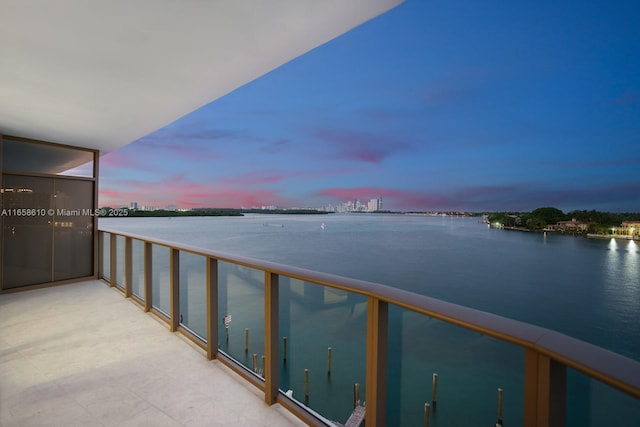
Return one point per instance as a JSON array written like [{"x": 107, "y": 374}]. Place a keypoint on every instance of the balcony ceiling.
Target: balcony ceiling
[{"x": 104, "y": 73}]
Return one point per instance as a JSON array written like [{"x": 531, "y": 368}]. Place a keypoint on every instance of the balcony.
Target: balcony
[{"x": 299, "y": 340}]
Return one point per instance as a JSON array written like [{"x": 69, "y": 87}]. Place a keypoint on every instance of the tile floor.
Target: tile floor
[{"x": 83, "y": 355}]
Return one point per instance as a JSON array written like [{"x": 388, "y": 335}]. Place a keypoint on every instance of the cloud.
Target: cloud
[
  {"x": 259, "y": 177},
  {"x": 272, "y": 176},
  {"x": 361, "y": 146},
  {"x": 121, "y": 159},
  {"x": 513, "y": 197},
  {"x": 179, "y": 190},
  {"x": 276, "y": 147},
  {"x": 194, "y": 146}
]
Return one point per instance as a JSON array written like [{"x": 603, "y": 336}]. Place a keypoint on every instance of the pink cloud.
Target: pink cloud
[
  {"x": 178, "y": 190},
  {"x": 234, "y": 198},
  {"x": 361, "y": 146},
  {"x": 271, "y": 176}
]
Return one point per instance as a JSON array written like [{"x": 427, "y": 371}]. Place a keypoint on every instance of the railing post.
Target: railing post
[
  {"x": 148, "y": 270},
  {"x": 174, "y": 288},
  {"x": 100, "y": 253},
  {"x": 271, "y": 337},
  {"x": 557, "y": 394},
  {"x": 112, "y": 260},
  {"x": 544, "y": 391},
  {"x": 376, "y": 369},
  {"x": 128, "y": 267},
  {"x": 212, "y": 308}
]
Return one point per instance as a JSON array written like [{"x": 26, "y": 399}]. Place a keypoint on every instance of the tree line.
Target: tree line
[{"x": 538, "y": 219}]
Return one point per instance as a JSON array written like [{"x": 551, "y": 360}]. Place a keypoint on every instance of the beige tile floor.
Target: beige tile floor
[{"x": 83, "y": 355}]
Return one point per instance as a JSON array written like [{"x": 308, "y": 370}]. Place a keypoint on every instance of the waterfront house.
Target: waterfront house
[
  {"x": 628, "y": 228},
  {"x": 573, "y": 225}
]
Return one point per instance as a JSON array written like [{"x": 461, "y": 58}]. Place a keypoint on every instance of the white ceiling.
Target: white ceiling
[{"x": 103, "y": 73}]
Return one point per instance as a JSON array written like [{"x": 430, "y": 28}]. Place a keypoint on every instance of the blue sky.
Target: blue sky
[{"x": 436, "y": 105}]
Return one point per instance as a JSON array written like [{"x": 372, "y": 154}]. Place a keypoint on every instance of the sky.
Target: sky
[{"x": 436, "y": 105}]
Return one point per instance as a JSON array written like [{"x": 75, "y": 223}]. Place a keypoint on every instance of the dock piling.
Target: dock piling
[
  {"x": 427, "y": 410},
  {"x": 499, "y": 406},
  {"x": 284, "y": 349},
  {"x": 356, "y": 395},
  {"x": 434, "y": 391}
]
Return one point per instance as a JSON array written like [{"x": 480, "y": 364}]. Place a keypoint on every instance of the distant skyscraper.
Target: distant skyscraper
[
  {"x": 134, "y": 205},
  {"x": 375, "y": 205}
]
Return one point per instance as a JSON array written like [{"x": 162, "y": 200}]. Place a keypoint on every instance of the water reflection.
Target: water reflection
[{"x": 632, "y": 267}]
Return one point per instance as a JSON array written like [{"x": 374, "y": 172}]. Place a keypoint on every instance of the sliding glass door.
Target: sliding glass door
[
  {"x": 72, "y": 229},
  {"x": 27, "y": 231},
  {"x": 47, "y": 229}
]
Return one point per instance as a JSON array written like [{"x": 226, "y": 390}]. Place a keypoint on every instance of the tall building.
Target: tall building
[{"x": 375, "y": 205}]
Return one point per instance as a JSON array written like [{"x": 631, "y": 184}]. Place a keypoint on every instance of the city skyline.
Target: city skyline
[
  {"x": 371, "y": 205},
  {"x": 449, "y": 107}
]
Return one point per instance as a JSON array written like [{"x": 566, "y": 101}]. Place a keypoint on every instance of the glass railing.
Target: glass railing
[
  {"x": 120, "y": 264},
  {"x": 321, "y": 345},
  {"x": 137, "y": 269},
  {"x": 193, "y": 307}
]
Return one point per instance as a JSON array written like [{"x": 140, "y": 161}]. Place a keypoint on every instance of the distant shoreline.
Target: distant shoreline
[
  {"x": 611, "y": 236},
  {"x": 164, "y": 213},
  {"x": 586, "y": 235}
]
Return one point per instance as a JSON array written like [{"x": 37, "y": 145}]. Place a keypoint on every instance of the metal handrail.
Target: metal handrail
[{"x": 606, "y": 366}]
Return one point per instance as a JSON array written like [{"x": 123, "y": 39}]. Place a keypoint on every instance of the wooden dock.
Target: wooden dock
[{"x": 356, "y": 418}]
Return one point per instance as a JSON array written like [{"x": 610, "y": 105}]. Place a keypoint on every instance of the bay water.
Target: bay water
[{"x": 585, "y": 288}]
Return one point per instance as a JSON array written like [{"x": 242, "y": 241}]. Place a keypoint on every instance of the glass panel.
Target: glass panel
[
  {"x": 73, "y": 229},
  {"x": 120, "y": 261},
  {"x": 470, "y": 368},
  {"x": 160, "y": 278},
  {"x": 27, "y": 230},
  {"x": 241, "y": 296},
  {"x": 137, "y": 268},
  {"x": 106, "y": 255},
  {"x": 53, "y": 159},
  {"x": 314, "y": 318},
  {"x": 591, "y": 403},
  {"x": 193, "y": 295}
]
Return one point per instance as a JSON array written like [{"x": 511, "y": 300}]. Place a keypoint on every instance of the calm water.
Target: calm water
[{"x": 586, "y": 288}]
